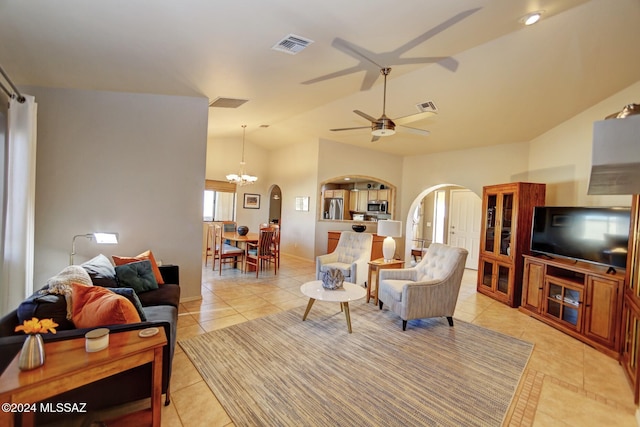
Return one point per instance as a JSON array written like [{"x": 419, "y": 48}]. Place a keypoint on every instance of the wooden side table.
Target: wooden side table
[
  {"x": 374, "y": 268},
  {"x": 68, "y": 366}
]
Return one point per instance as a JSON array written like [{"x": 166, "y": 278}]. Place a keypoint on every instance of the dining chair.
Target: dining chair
[
  {"x": 257, "y": 254},
  {"x": 276, "y": 243},
  {"x": 209, "y": 249},
  {"x": 224, "y": 252}
]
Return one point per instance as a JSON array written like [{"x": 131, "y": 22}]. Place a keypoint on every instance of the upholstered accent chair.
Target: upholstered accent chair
[
  {"x": 351, "y": 256},
  {"x": 430, "y": 289}
]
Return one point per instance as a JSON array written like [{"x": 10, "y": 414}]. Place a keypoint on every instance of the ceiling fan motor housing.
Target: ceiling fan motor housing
[{"x": 384, "y": 126}]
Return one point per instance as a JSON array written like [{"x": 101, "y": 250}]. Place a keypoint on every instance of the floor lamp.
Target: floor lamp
[{"x": 100, "y": 237}]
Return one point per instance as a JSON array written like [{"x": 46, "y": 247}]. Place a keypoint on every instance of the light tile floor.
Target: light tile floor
[{"x": 567, "y": 383}]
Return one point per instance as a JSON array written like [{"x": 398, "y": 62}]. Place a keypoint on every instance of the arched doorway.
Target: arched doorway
[
  {"x": 445, "y": 213},
  {"x": 275, "y": 204}
]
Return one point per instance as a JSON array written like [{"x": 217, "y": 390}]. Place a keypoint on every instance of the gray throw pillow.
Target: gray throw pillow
[
  {"x": 131, "y": 295},
  {"x": 137, "y": 275},
  {"x": 101, "y": 271}
]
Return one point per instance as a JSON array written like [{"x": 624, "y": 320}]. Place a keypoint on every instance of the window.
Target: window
[
  {"x": 219, "y": 201},
  {"x": 439, "y": 215}
]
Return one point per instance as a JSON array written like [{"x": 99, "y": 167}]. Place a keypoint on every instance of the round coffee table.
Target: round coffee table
[{"x": 348, "y": 292}]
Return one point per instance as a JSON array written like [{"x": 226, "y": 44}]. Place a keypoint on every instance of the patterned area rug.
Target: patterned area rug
[{"x": 281, "y": 371}]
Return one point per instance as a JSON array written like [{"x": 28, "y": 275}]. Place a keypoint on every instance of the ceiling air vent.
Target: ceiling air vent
[
  {"x": 220, "y": 102},
  {"x": 427, "y": 106},
  {"x": 292, "y": 44}
]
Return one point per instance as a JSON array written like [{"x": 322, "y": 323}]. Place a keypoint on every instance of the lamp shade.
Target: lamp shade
[{"x": 389, "y": 228}]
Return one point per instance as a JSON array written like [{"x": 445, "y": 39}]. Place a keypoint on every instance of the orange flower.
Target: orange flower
[{"x": 35, "y": 326}]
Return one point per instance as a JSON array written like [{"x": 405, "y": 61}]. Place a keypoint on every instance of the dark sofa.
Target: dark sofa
[{"x": 160, "y": 307}]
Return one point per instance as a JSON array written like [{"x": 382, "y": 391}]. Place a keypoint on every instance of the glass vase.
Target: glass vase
[{"x": 32, "y": 353}]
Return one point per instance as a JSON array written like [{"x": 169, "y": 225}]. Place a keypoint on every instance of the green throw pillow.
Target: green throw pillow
[{"x": 137, "y": 275}]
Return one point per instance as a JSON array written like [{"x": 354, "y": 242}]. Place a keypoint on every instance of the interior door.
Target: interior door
[{"x": 464, "y": 224}]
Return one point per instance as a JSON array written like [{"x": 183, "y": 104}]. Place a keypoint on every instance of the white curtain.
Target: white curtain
[{"x": 18, "y": 213}]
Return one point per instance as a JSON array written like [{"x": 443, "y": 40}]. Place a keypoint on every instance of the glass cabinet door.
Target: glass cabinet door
[
  {"x": 503, "y": 279},
  {"x": 564, "y": 303},
  {"x": 489, "y": 235},
  {"x": 505, "y": 225},
  {"x": 486, "y": 275}
]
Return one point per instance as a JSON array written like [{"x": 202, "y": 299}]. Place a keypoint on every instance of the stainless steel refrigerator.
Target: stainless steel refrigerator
[{"x": 334, "y": 208}]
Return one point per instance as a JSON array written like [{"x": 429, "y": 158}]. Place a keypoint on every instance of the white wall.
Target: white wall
[
  {"x": 561, "y": 157},
  {"x": 472, "y": 169},
  {"x": 294, "y": 169},
  {"x": 130, "y": 163}
]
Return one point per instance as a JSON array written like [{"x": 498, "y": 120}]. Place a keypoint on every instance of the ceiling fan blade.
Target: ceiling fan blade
[
  {"x": 434, "y": 31},
  {"x": 340, "y": 73},
  {"x": 359, "y": 127},
  {"x": 447, "y": 62},
  {"x": 413, "y": 117},
  {"x": 365, "y": 115},
  {"x": 350, "y": 49},
  {"x": 417, "y": 131}
]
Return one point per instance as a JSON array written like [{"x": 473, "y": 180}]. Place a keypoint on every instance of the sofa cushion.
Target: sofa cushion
[
  {"x": 101, "y": 271},
  {"x": 137, "y": 275},
  {"x": 146, "y": 255},
  {"x": 168, "y": 294},
  {"x": 131, "y": 295},
  {"x": 97, "y": 306}
]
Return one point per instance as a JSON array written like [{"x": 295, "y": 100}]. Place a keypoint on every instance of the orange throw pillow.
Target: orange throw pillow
[
  {"x": 97, "y": 306},
  {"x": 121, "y": 260}
]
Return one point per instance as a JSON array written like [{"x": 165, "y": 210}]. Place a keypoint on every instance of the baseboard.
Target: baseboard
[
  {"x": 289, "y": 255},
  {"x": 187, "y": 299}
]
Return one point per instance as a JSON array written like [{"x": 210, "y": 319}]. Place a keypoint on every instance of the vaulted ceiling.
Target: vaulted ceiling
[{"x": 496, "y": 81}]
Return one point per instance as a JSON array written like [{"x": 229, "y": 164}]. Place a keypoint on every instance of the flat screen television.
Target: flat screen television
[{"x": 594, "y": 234}]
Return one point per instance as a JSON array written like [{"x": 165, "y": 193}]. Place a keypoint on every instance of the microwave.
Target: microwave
[{"x": 377, "y": 206}]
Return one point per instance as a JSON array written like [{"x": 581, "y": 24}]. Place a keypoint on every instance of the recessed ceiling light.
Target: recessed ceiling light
[
  {"x": 347, "y": 179},
  {"x": 531, "y": 18}
]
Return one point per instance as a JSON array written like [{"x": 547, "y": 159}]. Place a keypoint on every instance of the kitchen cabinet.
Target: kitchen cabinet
[
  {"x": 336, "y": 194},
  {"x": 383, "y": 195},
  {"x": 504, "y": 238},
  {"x": 578, "y": 298}
]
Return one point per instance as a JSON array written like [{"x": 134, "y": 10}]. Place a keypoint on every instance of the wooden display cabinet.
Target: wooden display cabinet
[
  {"x": 630, "y": 325},
  {"x": 505, "y": 235},
  {"x": 575, "y": 297}
]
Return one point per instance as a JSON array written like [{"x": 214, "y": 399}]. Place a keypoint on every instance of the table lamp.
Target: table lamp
[
  {"x": 390, "y": 229},
  {"x": 100, "y": 237}
]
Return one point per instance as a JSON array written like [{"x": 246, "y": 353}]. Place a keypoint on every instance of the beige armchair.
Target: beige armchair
[
  {"x": 430, "y": 289},
  {"x": 351, "y": 256}
]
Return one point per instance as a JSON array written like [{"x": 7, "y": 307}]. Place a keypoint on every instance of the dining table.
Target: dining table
[{"x": 235, "y": 239}]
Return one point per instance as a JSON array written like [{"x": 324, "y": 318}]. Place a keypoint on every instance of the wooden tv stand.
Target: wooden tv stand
[{"x": 578, "y": 298}]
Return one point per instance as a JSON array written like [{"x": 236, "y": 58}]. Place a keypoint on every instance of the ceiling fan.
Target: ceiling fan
[{"x": 384, "y": 126}]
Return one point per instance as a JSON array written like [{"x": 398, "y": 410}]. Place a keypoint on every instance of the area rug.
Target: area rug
[{"x": 281, "y": 371}]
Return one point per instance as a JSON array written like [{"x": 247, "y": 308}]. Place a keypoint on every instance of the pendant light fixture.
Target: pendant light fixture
[{"x": 242, "y": 178}]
